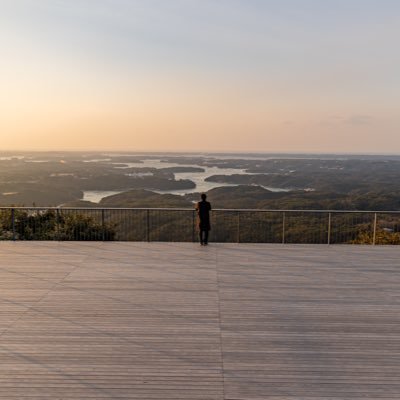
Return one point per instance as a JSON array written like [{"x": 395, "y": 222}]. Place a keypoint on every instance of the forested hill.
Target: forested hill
[
  {"x": 306, "y": 182},
  {"x": 249, "y": 197},
  {"x": 257, "y": 197}
]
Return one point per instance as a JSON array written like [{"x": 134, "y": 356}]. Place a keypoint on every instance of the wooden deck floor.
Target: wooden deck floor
[{"x": 180, "y": 321}]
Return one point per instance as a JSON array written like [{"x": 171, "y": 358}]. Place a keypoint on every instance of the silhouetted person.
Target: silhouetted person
[{"x": 203, "y": 208}]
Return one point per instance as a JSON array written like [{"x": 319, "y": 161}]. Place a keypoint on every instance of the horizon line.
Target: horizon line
[{"x": 198, "y": 152}]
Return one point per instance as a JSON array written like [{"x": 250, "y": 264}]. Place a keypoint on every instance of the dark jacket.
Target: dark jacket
[{"x": 203, "y": 212}]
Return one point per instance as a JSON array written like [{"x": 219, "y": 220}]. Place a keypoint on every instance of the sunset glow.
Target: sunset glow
[{"x": 228, "y": 75}]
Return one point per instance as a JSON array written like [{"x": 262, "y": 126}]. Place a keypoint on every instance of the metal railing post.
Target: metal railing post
[
  {"x": 238, "y": 227},
  {"x": 58, "y": 224},
  {"x": 374, "y": 234},
  {"x": 193, "y": 225},
  {"x": 103, "y": 225},
  {"x": 283, "y": 227},
  {"x": 329, "y": 227},
  {"x": 13, "y": 223},
  {"x": 148, "y": 225}
]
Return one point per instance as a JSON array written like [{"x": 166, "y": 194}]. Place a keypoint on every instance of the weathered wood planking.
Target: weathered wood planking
[
  {"x": 180, "y": 321},
  {"x": 105, "y": 321},
  {"x": 310, "y": 322}
]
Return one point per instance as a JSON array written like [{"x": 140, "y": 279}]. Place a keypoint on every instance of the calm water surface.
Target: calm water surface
[{"x": 197, "y": 177}]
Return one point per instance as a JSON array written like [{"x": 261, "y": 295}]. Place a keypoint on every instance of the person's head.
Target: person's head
[{"x": 203, "y": 196}]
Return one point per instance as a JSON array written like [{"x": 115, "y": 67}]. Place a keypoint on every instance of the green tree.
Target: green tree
[{"x": 52, "y": 225}]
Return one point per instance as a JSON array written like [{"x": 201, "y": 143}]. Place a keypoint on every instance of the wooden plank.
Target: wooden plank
[
  {"x": 179, "y": 321},
  {"x": 310, "y": 322},
  {"x": 85, "y": 321}
]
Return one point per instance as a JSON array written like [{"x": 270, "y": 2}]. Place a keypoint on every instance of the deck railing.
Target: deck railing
[{"x": 179, "y": 225}]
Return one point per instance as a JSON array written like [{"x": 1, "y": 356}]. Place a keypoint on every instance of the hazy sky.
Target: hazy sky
[{"x": 208, "y": 75}]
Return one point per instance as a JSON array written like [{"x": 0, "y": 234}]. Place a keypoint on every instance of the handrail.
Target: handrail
[
  {"x": 179, "y": 224},
  {"x": 215, "y": 209}
]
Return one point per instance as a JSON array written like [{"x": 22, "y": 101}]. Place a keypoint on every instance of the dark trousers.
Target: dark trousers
[{"x": 203, "y": 236}]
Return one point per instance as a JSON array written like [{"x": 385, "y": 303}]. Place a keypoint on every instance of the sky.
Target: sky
[{"x": 200, "y": 75}]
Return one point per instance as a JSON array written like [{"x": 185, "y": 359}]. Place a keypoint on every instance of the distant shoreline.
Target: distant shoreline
[{"x": 222, "y": 155}]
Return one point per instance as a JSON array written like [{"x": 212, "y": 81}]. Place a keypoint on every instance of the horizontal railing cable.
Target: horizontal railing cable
[{"x": 180, "y": 225}]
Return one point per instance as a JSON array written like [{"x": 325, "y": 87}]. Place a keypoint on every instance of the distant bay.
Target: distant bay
[{"x": 199, "y": 178}]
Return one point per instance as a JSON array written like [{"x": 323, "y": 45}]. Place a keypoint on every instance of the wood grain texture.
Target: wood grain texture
[{"x": 180, "y": 321}]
